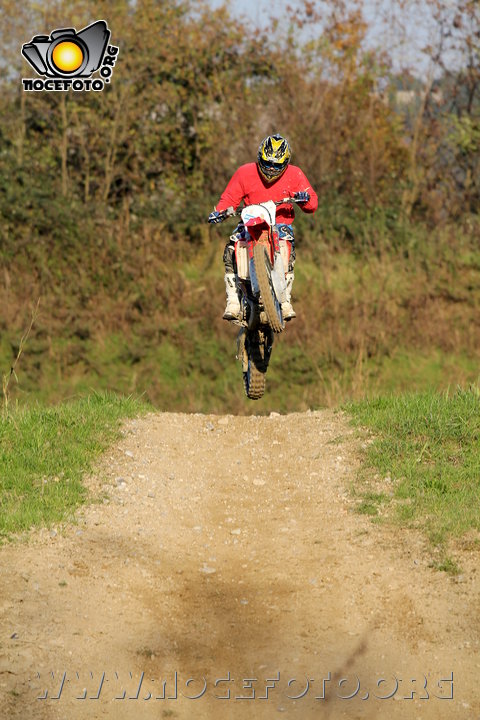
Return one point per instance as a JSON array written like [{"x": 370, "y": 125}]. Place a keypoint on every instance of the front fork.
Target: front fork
[{"x": 277, "y": 271}]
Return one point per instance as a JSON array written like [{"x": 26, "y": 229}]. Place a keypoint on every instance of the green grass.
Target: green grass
[
  {"x": 45, "y": 452},
  {"x": 425, "y": 451}
]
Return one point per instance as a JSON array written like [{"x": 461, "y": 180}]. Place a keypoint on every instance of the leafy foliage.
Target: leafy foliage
[{"x": 103, "y": 196}]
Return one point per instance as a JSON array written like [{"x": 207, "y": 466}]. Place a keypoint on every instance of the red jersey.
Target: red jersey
[{"x": 248, "y": 185}]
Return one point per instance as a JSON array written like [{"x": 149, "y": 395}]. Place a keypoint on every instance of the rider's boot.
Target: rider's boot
[
  {"x": 287, "y": 309},
  {"x": 232, "y": 310}
]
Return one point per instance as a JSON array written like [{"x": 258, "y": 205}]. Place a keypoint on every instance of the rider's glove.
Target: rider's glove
[
  {"x": 216, "y": 217},
  {"x": 302, "y": 197}
]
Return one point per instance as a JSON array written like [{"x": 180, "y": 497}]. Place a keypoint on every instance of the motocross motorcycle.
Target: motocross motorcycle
[{"x": 261, "y": 264}]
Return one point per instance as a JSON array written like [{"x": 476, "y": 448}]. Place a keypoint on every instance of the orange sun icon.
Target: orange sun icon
[{"x": 67, "y": 56}]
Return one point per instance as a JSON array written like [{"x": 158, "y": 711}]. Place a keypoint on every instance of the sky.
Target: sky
[
  {"x": 257, "y": 10},
  {"x": 416, "y": 21}
]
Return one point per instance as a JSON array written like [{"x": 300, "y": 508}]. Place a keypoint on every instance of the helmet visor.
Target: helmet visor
[{"x": 271, "y": 169}]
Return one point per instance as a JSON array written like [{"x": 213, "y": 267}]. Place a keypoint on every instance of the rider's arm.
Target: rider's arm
[
  {"x": 304, "y": 184},
  {"x": 234, "y": 193}
]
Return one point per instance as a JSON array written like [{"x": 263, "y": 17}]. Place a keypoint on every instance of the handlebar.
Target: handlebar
[{"x": 230, "y": 212}]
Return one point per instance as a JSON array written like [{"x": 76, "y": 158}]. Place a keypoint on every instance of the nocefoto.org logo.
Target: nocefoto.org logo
[{"x": 68, "y": 59}]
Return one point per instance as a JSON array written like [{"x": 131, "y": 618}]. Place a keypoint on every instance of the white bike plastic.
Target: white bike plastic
[{"x": 266, "y": 212}]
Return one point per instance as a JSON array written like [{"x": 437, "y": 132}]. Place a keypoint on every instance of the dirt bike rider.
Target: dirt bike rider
[{"x": 270, "y": 178}]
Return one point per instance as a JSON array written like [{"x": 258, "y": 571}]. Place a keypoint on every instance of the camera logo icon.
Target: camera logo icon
[{"x": 71, "y": 57}]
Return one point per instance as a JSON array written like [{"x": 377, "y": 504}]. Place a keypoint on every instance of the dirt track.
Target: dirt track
[{"x": 228, "y": 547}]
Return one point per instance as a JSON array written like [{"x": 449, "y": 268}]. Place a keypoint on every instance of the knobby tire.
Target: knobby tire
[{"x": 254, "y": 378}]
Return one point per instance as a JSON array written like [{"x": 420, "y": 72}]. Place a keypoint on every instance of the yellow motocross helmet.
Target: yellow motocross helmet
[{"x": 273, "y": 157}]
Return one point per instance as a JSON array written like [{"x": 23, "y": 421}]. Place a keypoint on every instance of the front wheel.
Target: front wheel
[{"x": 263, "y": 269}]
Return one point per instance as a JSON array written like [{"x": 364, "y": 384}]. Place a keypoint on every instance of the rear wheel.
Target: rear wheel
[
  {"x": 258, "y": 348},
  {"x": 270, "y": 301}
]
